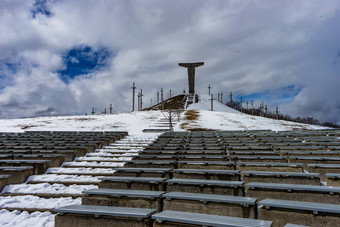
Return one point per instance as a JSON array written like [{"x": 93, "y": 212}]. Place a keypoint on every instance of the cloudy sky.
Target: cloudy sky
[{"x": 66, "y": 56}]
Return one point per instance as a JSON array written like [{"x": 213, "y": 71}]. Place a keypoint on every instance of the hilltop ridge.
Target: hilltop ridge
[{"x": 222, "y": 118}]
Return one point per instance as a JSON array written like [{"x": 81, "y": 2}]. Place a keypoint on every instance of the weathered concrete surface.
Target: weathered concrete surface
[
  {"x": 17, "y": 176},
  {"x": 4, "y": 181},
  {"x": 333, "y": 182},
  {"x": 281, "y": 180},
  {"x": 132, "y": 202},
  {"x": 270, "y": 168},
  {"x": 133, "y": 185},
  {"x": 306, "y": 196},
  {"x": 280, "y": 217},
  {"x": 226, "y": 177},
  {"x": 191, "y": 74},
  {"x": 173, "y": 224},
  {"x": 200, "y": 166},
  {"x": 103, "y": 221},
  {"x": 143, "y": 174},
  {"x": 215, "y": 208},
  {"x": 206, "y": 189},
  {"x": 322, "y": 171}
]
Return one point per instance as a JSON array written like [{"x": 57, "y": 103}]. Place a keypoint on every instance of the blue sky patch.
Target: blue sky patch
[
  {"x": 82, "y": 60},
  {"x": 284, "y": 93},
  {"x": 7, "y": 70},
  {"x": 40, "y": 7}
]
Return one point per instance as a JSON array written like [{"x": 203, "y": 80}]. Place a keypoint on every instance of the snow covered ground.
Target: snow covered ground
[
  {"x": 222, "y": 118},
  {"x": 104, "y": 160}
]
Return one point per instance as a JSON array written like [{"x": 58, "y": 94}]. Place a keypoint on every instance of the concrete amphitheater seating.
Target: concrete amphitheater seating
[
  {"x": 220, "y": 178},
  {"x": 33, "y": 152}
]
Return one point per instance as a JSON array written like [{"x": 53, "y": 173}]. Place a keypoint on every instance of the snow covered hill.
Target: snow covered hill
[{"x": 222, "y": 118}]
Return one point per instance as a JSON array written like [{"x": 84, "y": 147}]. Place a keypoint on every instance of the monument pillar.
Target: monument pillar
[{"x": 191, "y": 74}]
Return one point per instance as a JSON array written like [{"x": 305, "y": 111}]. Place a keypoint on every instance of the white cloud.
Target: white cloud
[{"x": 248, "y": 47}]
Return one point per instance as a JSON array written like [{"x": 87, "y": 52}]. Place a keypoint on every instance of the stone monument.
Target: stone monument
[{"x": 191, "y": 74}]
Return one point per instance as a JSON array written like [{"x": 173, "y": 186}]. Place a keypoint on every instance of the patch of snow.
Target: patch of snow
[
  {"x": 204, "y": 103},
  {"x": 94, "y": 164},
  {"x": 64, "y": 178},
  {"x": 24, "y": 219},
  {"x": 31, "y": 201},
  {"x": 107, "y": 154},
  {"x": 231, "y": 121},
  {"x": 118, "y": 151},
  {"x": 47, "y": 188},
  {"x": 103, "y": 159},
  {"x": 80, "y": 170}
]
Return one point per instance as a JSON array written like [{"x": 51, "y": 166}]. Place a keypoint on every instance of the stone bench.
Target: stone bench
[
  {"x": 143, "y": 172},
  {"x": 250, "y": 148},
  {"x": 314, "y": 160},
  {"x": 311, "y": 153},
  {"x": 218, "y": 187},
  {"x": 256, "y": 158},
  {"x": 323, "y": 169},
  {"x": 164, "y": 147},
  {"x": 297, "y": 192},
  {"x": 235, "y": 206},
  {"x": 286, "y": 143},
  {"x": 293, "y": 225},
  {"x": 321, "y": 138},
  {"x": 249, "y": 153},
  {"x": 203, "y": 152},
  {"x": 155, "y": 157},
  {"x": 134, "y": 183},
  {"x": 281, "y": 177},
  {"x": 299, "y": 148},
  {"x": 171, "y": 218},
  {"x": 103, "y": 216},
  {"x": 337, "y": 148},
  {"x": 244, "y": 140},
  {"x": 17, "y": 174},
  {"x": 80, "y": 151},
  {"x": 270, "y": 166},
  {"x": 207, "y": 174},
  {"x": 123, "y": 198},
  {"x": 55, "y": 159},
  {"x": 4, "y": 180},
  {"x": 282, "y": 212},
  {"x": 39, "y": 166},
  {"x": 220, "y": 158},
  {"x": 333, "y": 179},
  {"x": 158, "y": 152},
  {"x": 68, "y": 155},
  {"x": 204, "y": 148},
  {"x": 6, "y": 156},
  {"x": 206, "y": 165},
  {"x": 151, "y": 164}
]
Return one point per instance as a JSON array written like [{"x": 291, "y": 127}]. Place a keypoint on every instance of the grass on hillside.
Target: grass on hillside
[{"x": 191, "y": 115}]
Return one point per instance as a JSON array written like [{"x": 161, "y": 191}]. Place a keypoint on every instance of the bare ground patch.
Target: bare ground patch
[
  {"x": 190, "y": 120},
  {"x": 191, "y": 115}
]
